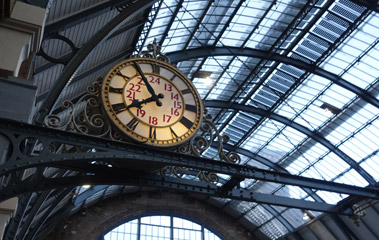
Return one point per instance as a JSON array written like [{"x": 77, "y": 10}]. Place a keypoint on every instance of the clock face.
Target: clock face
[{"x": 152, "y": 102}]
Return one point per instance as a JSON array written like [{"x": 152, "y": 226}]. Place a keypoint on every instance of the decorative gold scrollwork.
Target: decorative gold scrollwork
[
  {"x": 154, "y": 51},
  {"x": 85, "y": 116},
  {"x": 198, "y": 146}
]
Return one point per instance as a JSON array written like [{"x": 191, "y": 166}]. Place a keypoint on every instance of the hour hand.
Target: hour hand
[
  {"x": 135, "y": 103},
  {"x": 138, "y": 104}
]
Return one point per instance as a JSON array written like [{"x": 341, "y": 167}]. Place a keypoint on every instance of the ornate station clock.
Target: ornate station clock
[{"x": 152, "y": 102}]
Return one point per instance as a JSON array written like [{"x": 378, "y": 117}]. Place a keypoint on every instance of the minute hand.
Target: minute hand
[{"x": 148, "y": 86}]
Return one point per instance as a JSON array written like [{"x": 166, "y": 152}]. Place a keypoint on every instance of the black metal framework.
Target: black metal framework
[
  {"x": 68, "y": 164},
  {"x": 82, "y": 54},
  {"x": 106, "y": 162}
]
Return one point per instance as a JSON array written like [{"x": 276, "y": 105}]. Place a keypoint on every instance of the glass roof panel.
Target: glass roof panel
[
  {"x": 327, "y": 168},
  {"x": 274, "y": 229},
  {"x": 357, "y": 55},
  {"x": 243, "y": 22},
  {"x": 242, "y": 206},
  {"x": 291, "y": 191},
  {"x": 258, "y": 215},
  {"x": 285, "y": 141},
  {"x": 257, "y": 164},
  {"x": 267, "y": 187},
  {"x": 331, "y": 197},
  {"x": 294, "y": 217},
  {"x": 352, "y": 177},
  {"x": 371, "y": 165}
]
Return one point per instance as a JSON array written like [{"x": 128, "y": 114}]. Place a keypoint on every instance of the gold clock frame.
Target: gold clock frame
[{"x": 128, "y": 131}]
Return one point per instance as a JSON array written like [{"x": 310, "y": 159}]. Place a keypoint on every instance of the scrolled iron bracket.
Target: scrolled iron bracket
[
  {"x": 85, "y": 116},
  {"x": 199, "y": 146}
]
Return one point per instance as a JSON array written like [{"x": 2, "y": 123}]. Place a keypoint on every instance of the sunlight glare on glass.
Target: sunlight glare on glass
[{"x": 208, "y": 81}]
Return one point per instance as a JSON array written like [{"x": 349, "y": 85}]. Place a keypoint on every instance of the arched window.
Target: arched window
[{"x": 161, "y": 228}]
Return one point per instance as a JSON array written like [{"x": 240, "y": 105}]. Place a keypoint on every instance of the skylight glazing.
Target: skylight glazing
[
  {"x": 356, "y": 59},
  {"x": 274, "y": 229},
  {"x": 336, "y": 36}
]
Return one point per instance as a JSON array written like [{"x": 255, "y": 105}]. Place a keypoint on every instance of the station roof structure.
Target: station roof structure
[{"x": 293, "y": 83}]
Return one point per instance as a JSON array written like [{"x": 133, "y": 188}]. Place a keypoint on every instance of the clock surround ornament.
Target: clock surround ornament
[
  {"x": 86, "y": 116},
  {"x": 151, "y": 101}
]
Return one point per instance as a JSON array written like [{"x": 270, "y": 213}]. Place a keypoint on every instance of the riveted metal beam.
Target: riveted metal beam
[
  {"x": 133, "y": 178},
  {"x": 119, "y": 155}
]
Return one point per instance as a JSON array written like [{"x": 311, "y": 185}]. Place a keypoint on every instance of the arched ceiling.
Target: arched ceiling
[{"x": 274, "y": 68}]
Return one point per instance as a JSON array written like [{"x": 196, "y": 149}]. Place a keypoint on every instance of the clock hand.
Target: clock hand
[
  {"x": 138, "y": 104},
  {"x": 148, "y": 86}
]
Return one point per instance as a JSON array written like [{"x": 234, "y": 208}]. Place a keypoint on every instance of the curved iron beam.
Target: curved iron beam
[
  {"x": 179, "y": 56},
  {"x": 72, "y": 67},
  {"x": 133, "y": 178},
  {"x": 123, "y": 156},
  {"x": 312, "y": 134}
]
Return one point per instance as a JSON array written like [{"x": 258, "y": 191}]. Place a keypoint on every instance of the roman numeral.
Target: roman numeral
[
  {"x": 156, "y": 69},
  {"x": 122, "y": 75},
  {"x": 173, "y": 134},
  {"x": 119, "y": 107},
  {"x": 115, "y": 90},
  {"x": 132, "y": 124},
  {"x": 187, "y": 123},
  {"x": 153, "y": 132},
  {"x": 185, "y": 91},
  {"x": 172, "y": 78},
  {"x": 191, "y": 108}
]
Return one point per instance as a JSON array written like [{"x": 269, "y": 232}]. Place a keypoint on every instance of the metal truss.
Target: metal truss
[
  {"x": 101, "y": 161},
  {"x": 72, "y": 67},
  {"x": 312, "y": 134},
  {"x": 194, "y": 53},
  {"x": 83, "y": 16}
]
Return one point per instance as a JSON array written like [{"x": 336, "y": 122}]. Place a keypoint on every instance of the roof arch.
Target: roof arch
[
  {"x": 208, "y": 51},
  {"x": 312, "y": 134}
]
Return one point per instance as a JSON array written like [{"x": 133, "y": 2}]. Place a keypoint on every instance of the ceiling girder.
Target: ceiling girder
[
  {"x": 133, "y": 178},
  {"x": 72, "y": 67},
  {"x": 82, "y": 16},
  {"x": 312, "y": 134},
  {"x": 285, "y": 35},
  {"x": 119, "y": 153},
  {"x": 202, "y": 52}
]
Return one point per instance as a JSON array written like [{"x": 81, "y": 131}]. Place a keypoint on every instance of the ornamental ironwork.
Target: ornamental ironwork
[{"x": 87, "y": 116}]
